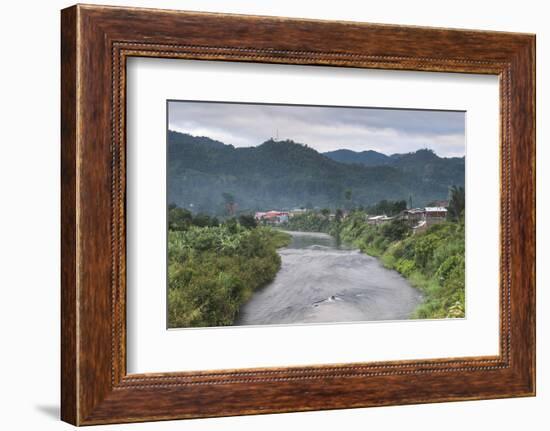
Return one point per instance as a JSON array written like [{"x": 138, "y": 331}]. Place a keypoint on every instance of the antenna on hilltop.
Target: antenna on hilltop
[{"x": 277, "y": 134}]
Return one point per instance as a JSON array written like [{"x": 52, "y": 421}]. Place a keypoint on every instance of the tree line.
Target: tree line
[{"x": 208, "y": 176}]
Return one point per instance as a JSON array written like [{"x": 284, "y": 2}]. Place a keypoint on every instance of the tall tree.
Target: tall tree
[
  {"x": 338, "y": 215},
  {"x": 457, "y": 203},
  {"x": 178, "y": 218},
  {"x": 348, "y": 195},
  {"x": 230, "y": 205}
]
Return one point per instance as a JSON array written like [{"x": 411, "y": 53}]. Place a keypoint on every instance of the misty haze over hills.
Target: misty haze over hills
[{"x": 285, "y": 174}]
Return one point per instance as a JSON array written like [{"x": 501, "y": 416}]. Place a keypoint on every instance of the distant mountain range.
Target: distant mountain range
[
  {"x": 286, "y": 174},
  {"x": 374, "y": 158}
]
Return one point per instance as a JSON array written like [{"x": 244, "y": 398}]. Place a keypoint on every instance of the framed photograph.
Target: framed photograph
[{"x": 263, "y": 214}]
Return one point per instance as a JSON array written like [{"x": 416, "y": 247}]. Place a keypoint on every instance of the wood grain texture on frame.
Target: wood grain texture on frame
[{"x": 95, "y": 42}]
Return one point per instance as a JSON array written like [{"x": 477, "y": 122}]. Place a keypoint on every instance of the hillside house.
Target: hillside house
[
  {"x": 272, "y": 217},
  {"x": 419, "y": 219},
  {"x": 414, "y": 216},
  {"x": 435, "y": 214}
]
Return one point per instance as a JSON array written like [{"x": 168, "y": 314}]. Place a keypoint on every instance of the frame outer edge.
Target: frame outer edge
[
  {"x": 87, "y": 396},
  {"x": 69, "y": 201},
  {"x": 529, "y": 61},
  {"x": 533, "y": 53},
  {"x": 523, "y": 217},
  {"x": 532, "y": 80}
]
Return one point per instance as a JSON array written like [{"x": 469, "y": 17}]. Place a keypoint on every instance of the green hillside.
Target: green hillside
[
  {"x": 202, "y": 173},
  {"x": 367, "y": 158}
]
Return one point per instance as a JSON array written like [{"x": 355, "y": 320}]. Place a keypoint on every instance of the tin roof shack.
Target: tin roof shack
[
  {"x": 415, "y": 219},
  {"x": 435, "y": 215},
  {"x": 419, "y": 219},
  {"x": 414, "y": 216}
]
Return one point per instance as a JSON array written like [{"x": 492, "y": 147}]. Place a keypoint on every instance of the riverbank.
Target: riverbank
[
  {"x": 213, "y": 270},
  {"x": 323, "y": 281},
  {"x": 432, "y": 261}
]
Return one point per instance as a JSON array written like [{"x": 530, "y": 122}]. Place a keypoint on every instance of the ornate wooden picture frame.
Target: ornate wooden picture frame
[{"x": 96, "y": 41}]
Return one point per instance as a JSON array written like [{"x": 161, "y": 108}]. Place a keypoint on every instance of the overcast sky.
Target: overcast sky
[{"x": 388, "y": 131}]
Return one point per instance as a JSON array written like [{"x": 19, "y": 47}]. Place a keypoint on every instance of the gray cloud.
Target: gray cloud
[{"x": 388, "y": 131}]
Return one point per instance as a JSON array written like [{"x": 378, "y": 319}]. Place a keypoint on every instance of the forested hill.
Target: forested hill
[
  {"x": 367, "y": 158},
  {"x": 202, "y": 173},
  {"x": 424, "y": 162}
]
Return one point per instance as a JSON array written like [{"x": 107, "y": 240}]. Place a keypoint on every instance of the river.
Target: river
[{"x": 322, "y": 281}]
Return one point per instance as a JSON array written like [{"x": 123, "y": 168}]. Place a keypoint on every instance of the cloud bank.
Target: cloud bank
[{"x": 388, "y": 131}]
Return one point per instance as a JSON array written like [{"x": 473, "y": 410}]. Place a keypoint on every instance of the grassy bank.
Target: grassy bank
[
  {"x": 432, "y": 261},
  {"x": 213, "y": 270}
]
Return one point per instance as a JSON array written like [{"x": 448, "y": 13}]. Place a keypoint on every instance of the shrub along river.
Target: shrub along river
[{"x": 323, "y": 281}]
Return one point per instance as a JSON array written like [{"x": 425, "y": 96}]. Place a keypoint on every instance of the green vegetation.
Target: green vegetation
[
  {"x": 456, "y": 203},
  {"x": 208, "y": 176},
  {"x": 214, "y": 268},
  {"x": 390, "y": 208},
  {"x": 310, "y": 222},
  {"x": 433, "y": 261}
]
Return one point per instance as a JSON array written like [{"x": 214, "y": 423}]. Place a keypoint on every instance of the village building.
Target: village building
[
  {"x": 420, "y": 219},
  {"x": 272, "y": 217},
  {"x": 258, "y": 215},
  {"x": 436, "y": 213},
  {"x": 414, "y": 216}
]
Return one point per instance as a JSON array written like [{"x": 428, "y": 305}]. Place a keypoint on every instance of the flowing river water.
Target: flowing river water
[{"x": 322, "y": 281}]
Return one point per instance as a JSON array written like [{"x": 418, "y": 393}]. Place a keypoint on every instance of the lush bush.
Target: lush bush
[
  {"x": 405, "y": 267},
  {"x": 423, "y": 250},
  {"x": 310, "y": 222},
  {"x": 213, "y": 270},
  {"x": 180, "y": 219},
  {"x": 248, "y": 221},
  {"x": 395, "y": 230}
]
